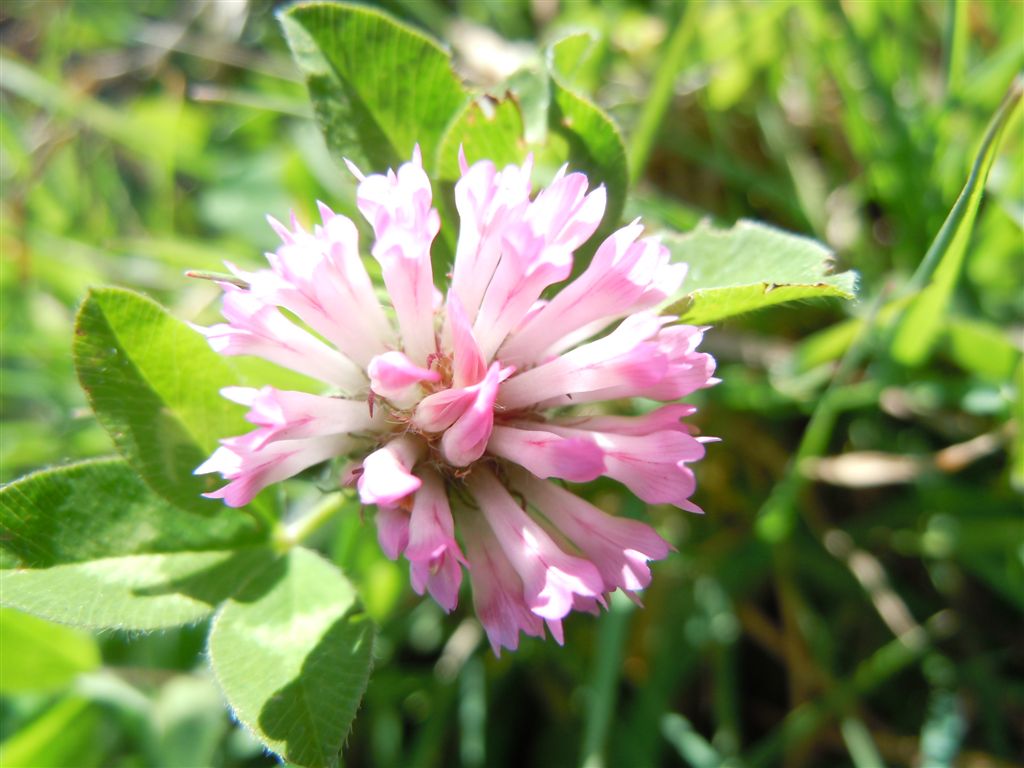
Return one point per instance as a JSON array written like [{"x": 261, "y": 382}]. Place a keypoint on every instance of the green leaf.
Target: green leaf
[
  {"x": 101, "y": 508},
  {"x": 292, "y": 653},
  {"x": 486, "y": 129},
  {"x": 1017, "y": 442},
  {"x": 378, "y": 87},
  {"x": 40, "y": 656},
  {"x": 690, "y": 745},
  {"x": 190, "y": 722},
  {"x": 135, "y": 591},
  {"x": 154, "y": 384},
  {"x": 749, "y": 267},
  {"x": 580, "y": 131},
  {"x": 980, "y": 347},
  {"x": 935, "y": 279},
  {"x": 66, "y": 734},
  {"x": 577, "y": 131}
]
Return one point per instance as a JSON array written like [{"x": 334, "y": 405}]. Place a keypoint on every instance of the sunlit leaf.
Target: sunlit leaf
[
  {"x": 154, "y": 384},
  {"x": 594, "y": 145},
  {"x": 40, "y": 656},
  {"x": 919, "y": 327},
  {"x": 749, "y": 267},
  {"x": 101, "y": 508},
  {"x": 378, "y": 86},
  {"x": 134, "y": 591},
  {"x": 981, "y": 348},
  {"x": 65, "y": 734},
  {"x": 292, "y": 653}
]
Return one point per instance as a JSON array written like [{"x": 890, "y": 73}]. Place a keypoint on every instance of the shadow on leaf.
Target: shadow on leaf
[{"x": 312, "y": 714}]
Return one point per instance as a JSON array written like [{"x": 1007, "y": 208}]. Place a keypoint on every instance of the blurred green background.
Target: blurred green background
[{"x": 139, "y": 139}]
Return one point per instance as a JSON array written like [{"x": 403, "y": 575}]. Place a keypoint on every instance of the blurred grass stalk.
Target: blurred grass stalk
[{"x": 937, "y": 272}]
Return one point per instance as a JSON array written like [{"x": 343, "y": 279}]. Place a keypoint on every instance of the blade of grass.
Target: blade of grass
[
  {"x": 601, "y": 702},
  {"x": 804, "y": 721},
  {"x": 957, "y": 41},
  {"x": 778, "y": 514},
  {"x": 859, "y": 744},
  {"x": 660, "y": 96},
  {"x": 937, "y": 274},
  {"x": 690, "y": 745}
]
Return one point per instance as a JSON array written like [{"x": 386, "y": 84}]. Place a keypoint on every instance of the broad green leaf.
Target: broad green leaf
[
  {"x": 378, "y": 87},
  {"x": 135, "y": 591},
  {"x": 41, "y": 656},
  {"x": 154, "y": 384},
  {"x": 292, "y": 653},
  {"x": 594, "y": 144},
  {"x": 935, "y": 279},
  {"x": 66, "y": 734},
  {"x": 748, "y": 267},
  {"x": 101, "y": 508}
]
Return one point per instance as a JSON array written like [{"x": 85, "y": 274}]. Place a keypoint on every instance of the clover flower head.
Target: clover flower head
[{"x": 461, "y": 411}]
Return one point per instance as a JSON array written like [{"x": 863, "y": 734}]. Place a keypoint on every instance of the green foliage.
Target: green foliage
[
  {"x": 63, "y": 735},
  {"x": 40, "y": 656},
  {"x": 292, "y": 653},
  {"x": 133, "y": 591},
  {"x": 101, "y": 508},
  {"x": 750, "y": 267},
  {"x": 154, "y": 384},
  {"x": 940, "y": 269},
  {"x": 357, "y": 63}
]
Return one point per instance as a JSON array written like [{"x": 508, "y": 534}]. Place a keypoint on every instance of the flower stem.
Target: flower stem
[
  {"x": 659, "y": 98},
  {"x": 297, "y": 531}
]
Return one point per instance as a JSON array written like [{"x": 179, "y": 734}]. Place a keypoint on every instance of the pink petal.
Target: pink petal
[
  {"x": 667, "y": 417},
  {"x": 497, "y": 589},
  {"x": 395, "y": 377},
  {"x": 251, "y": 466},
  {"x": 550, "y": 576},
  {"x": 398, "y": 207},
  {"x": 468, "y": 362},
  {"x": 256, "y": 328},
  {"x": 287, "y": 415},
  {"x": 320, "y": 277},
  {"x": 622, "y": 358},
  {"x": 387, "y": 472},
  {"x": 441, "y": 576},
  {"x": 624, "y": 276},
  {"x": 437, "y": 412},
  {"x": 392, "y": 530},
  {"x": 465, "y": 441},
  {"x": 546, "y": 454},
  {"x": 487, "y": 201},
  {"x": 653, "y": 466},
  {"x": 619, "y": 547}
]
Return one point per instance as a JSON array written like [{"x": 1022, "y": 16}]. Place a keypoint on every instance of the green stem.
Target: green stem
[
  {"x": 297, "y": 531},
  {"x": 956, "y": 46},
  {"x": 776, "y": 517},
  {"x": 610, "y": 644},
  {"x": 658, "y": 99}
]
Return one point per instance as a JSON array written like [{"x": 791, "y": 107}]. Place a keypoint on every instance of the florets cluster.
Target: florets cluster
[{"x": 453, "y": 407}]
